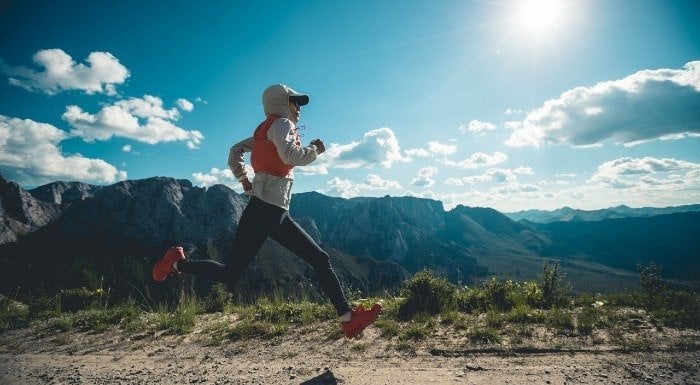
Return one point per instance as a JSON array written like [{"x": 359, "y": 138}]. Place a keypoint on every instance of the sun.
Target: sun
[{"x": 538, "y": 17}]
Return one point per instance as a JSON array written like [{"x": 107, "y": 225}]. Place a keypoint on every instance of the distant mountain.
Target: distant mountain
[
  {"x": 112, "y": 235},
  {"x": 64, "y": 192},
  {"x": 567, "y": 214},
  {"x": 672, "y": 240},
  {"x": 83, "y": 235},
  {"x": 21, "y": 213}
]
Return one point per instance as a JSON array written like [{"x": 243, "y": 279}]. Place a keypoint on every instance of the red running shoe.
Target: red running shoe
[
  {"x": 164, "y": 268},
  {"x": 361, "y": 318}
]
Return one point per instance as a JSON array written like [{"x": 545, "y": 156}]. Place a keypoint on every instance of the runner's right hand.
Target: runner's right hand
[
  {"x": 320, "y": 147},
  {"x": 247, "y": 186}
]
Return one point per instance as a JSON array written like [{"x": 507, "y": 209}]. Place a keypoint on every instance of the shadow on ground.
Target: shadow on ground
[{"x": 326, "y": 378}]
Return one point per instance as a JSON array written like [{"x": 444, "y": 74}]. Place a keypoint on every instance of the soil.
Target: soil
[{"x": 318, "y": 354}]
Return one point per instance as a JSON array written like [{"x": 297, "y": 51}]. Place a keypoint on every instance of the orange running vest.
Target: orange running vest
[{"x": 264, "y": 156}]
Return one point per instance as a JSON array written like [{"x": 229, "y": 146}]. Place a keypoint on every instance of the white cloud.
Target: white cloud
[
  {"x": 565, "y": 175},
  {"x": 221, "y": 176},
  {"x": 646, "y": 182},
  {"x": 378, "y": 147},
  {"x": 417, "y": 152},
  {"x": 435, "y": 148},
  {"x": 185, "y": 105},
  {"x": 478, "y": 160},
  {"x": 497, "y": 175},
  {"x": 148, "y": 107},
  {"x": 127, "y": 148},
  {"x": 438, "y": 148},
  {"x": 30, "y": 154},
  {"x": 523, "y": 170},
  {"x": 101, "y": 73},
  {"x": 214, "y": 176},
  {"x": 477, "y": 127},
  {"x": 349, "y": 189},
  {"x": 511, "y": 111},
  {"x": 625, "y": 173},
  {"x": 424, "y": 178},
  {"x": 142, "y": 119},
  {"x": 648, "y": 105}
]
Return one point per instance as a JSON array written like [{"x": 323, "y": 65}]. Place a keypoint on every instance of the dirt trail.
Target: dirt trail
[{"x": 308, "y": 356}]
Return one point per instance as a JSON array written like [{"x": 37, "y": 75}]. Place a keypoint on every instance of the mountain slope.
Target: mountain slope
[
  {"x": 567, "y": 214},
  {"x": 672, "y": 240},
  {"x": 21, "y": 213},
  {"x": 112, "y": 236}
]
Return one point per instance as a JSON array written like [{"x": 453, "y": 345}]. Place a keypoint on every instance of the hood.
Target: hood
[{"x": 275, "y": 100}]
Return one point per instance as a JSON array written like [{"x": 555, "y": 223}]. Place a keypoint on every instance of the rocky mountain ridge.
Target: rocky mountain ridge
[
  {"x": 568, "y": 214},
  {"x": 90, "y": 234}
]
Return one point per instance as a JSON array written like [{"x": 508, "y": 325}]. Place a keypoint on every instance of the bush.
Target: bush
[
  {"x": 587, "y": 320},
  {"x": 13, "y": 315},
  {"x": 560, "y": 321},
  {"x": 183, "y": 319},
  {"x": 298, "y": 313},
  {"x": 554, "y": 287},
  {"x": 470, "y": 300},
  {"x": 679, "y": 309},
  {"x": 219, "y": 300},
  {"x": 80, "y": 298},
  {"x": 426, "y": 294},
  {"x": 484, "y": 336},
  {"x": 523, "y": 314}
]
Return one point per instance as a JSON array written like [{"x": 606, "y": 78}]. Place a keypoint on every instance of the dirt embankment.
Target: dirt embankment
[{"x": 316, "y": 355}]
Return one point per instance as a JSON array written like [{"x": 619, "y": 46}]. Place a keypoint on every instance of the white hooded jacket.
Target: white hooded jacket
[{"x": 269, "y": 188}]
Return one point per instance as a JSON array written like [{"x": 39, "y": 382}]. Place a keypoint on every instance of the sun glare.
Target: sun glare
[{"x": 539, "y": 17}]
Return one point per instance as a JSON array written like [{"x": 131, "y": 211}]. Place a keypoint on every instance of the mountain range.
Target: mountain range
[
  {"x": 71, "y": 234},
  {"x": 567, "y": 214}
]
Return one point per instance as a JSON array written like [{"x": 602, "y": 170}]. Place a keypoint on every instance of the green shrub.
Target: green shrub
[
  {"x": 13, "y": 314},
  {"x": 182, "y": 320},
  {"x": 523, "y": 314},
  {"x": 554, "y": 287},
  {"x": 679, "y": 309},
  {"x": 426, "y": 294},
  {"x": 484, "y": 336},
  {"x": 415, "y": 331},
  {"x": 63, "y": 323},
  {"x": 219, "y": 300},
  {"x": 500, "y": 294},
  {"x": 387, "y": 327},
  {"x": 494, "y": 319},
  {"x": 80, "y": 298},
  {"x": 652, "y": 284},
  {"x": 302, "y": 313},
  {"x": 588, "y": 320},
  {"x": 560, "y": 321},
  {"x": 470, "y": 300}
]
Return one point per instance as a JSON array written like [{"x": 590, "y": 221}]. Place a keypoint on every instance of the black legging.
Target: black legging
[{"x": 259, "y": 221}]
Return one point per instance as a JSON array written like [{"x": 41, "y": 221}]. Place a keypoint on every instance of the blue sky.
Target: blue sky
[{"x": 506, "y": 104}]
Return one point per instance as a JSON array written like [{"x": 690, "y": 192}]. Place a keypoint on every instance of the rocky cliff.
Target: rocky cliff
[
  {"x": 112, "y": 235},
  {"x": 21, "y": 213}
]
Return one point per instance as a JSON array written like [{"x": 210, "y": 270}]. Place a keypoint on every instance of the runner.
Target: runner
[{"x": 275, "y": 149}]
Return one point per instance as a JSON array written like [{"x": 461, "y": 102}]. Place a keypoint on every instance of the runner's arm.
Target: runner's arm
[
  {"x": 235, "y": 158},
  {"x": 281, "y": 133}
]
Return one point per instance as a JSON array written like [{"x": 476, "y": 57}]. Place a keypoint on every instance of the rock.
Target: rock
[{"x": 474, "y": 367}]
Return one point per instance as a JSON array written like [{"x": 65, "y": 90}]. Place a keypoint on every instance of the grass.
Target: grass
[
  {"x": 493, "y": 312},
  {"x": 484, "y": 335}
]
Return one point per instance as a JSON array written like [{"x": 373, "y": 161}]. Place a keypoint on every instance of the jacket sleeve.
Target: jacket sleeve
[
  {"x": 235, "y": 157},
  {"x": 282, "y": 133}
]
